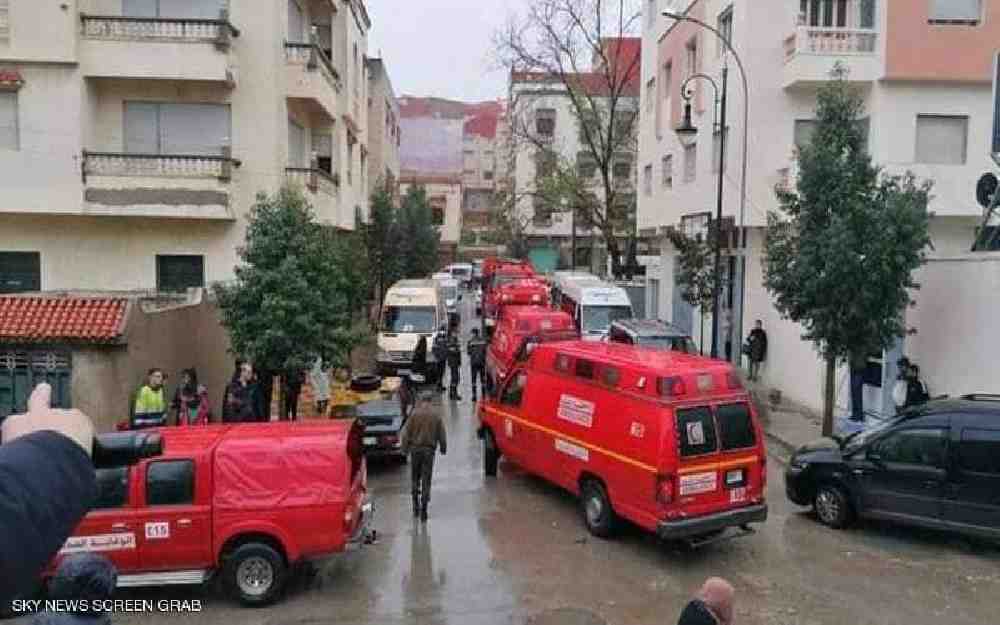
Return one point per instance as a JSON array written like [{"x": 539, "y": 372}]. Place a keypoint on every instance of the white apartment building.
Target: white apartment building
[
  {"x": 135, "y": 134},
  {"x": 444, "y": 194},
  {"x": 482, "y": 166},
  {"x": 924, "y": 68},
  {"x": 383, "y": 127}
]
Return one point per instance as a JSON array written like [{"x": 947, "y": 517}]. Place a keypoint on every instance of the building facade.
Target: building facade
[
  {"x": 383, "y": 127},
  {"x": 924, "y": 69},
  {"x": 444, "y": 193},
  {"x": 135, "y": 135},
  {"x": 483, "y": 166}
]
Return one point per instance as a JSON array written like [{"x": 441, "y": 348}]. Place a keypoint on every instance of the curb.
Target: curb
[{"x": 782, "y": 450}]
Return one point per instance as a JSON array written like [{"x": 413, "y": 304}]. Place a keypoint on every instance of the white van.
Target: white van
[
  {"x": 450, "y": 291},
  {"x": 594, "y": 305},
  {"x": 562, "y": 279},
  {"x": 412, "y": 308},
  {"x": 461, "y": 272}
]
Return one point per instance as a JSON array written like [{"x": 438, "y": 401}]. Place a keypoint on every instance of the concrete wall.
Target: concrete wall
[
  {"x": 431, "y": 146},
  {"x": 42, "y": 32}
]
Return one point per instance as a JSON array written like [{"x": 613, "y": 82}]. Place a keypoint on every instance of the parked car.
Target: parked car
[
  {"x": 520, "y": 329},
  {"x": 245, "y": 503},
  {"x": 383, "y": 420},
  {"x": 671, "y": 442},
  {"x": 651, "y": 333},
  {"x": 936, "y": 466}
]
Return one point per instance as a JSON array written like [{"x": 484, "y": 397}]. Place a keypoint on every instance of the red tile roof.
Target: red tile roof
[{"x": 62, "y": 319}]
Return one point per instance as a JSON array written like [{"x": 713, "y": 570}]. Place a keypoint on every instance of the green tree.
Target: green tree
[
  {"x": 839, "y": 257},
  {"x": 696, "y": 273},
  {"x": 382, "y": 241},
  {"x": 419, "y": 237},
  {"x": 296, "y": 289}
]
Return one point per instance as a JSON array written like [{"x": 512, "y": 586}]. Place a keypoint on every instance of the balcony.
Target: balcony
[
  {"x": 157, "y": 48},
  {"x": 310, "y": 75},
  {"x": 157, "y": 185},
  {"x": 322, "y": 191},
  {"x": 812, "y": 52}
]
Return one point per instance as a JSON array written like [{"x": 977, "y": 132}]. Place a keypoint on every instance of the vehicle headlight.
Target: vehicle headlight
[{"x": 797, "y": 465}]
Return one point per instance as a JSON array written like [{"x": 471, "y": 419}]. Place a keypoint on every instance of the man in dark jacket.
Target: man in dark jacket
[
  {"x": 455, "y": 364},
  {"x": 47, "y": 485},
  {"x": 86, "y": 578},
  {"x": 244, "y": 400},
  {"x": 440, "y": 352},
  {"x": 757, "y": 349},
  {"x": 292, "y": 388},
  {"x": 713, "y": 605},
  {"x": 476, "y": 347},
  {"x": 421, "y": 438}
]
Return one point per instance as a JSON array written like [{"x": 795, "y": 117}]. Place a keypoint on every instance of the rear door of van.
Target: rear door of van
[{"x": 719, "y": 456}]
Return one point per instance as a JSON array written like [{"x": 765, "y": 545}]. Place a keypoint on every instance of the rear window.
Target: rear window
[
  {"x": 735, "y": 427},
  {"x": 696, "y": 431}
]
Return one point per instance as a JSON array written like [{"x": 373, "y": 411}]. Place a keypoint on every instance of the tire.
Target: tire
[
  {"x": 598, "y": 515},
  {"x": 832, "y": 506},
  {"x": 255, "y": 574},
  {"x": 366, "y": 383},
  {"x": 491, "y": 454}
]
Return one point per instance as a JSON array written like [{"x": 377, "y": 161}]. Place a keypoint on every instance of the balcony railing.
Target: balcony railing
[
  {"x": 120, "y": 28},
  {"x": 830, "y": 41},
  {"x": 312, "y": 56},
  {"x": 314, "y": 179},
  {"x": 159, "y": 165}
]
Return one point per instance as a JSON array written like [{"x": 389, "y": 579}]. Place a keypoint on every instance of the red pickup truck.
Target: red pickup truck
[{"x": 247, "y": 502}]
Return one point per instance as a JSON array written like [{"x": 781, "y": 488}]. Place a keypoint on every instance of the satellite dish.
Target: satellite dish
[{"x": 986, "y": 188}]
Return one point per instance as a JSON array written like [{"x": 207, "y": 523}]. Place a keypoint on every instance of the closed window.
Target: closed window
[
  {"x": 187, "y": 9},
  {"x": 112, "y": 488},
  {"x": 586, "y": 166},
  {"x": 735, "y": 427},
  {"x": 696, "y": 431},
  {"x": 545, "y": 122},
  {"x": 725, "y": 26},
  {"x": 690, "y": 162},
  {"x": 926, "y": 447},
  {"x": 179, "y": 273},
  {"x": 8, "y": 122},
  {"x": 622, "y": 171},
  {"x": 4, "y": 20},
  {"x": 438, "y": 205},
  {"x": 172, "y": 128},
  {"x": 979, "y": 452},
  {"x": 647, "y": 180},
  {"x": 955, "y": 11},
  {"x": 805, "y": 130},
  {"x": 667, "y": 174},
  {"x": 323, "y": 147},
  {"x": 20, "y": 272},
  {"x": 942, "y": 139},
  {"x": 170, "y": 483},
  {"x": 514, "y": 393}
]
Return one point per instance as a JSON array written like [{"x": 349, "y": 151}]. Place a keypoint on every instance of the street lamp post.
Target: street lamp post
[{"x": 681, "y": 17}]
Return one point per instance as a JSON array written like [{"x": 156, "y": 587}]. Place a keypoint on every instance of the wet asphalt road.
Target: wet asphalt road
[{"x": 514, "y": 550}]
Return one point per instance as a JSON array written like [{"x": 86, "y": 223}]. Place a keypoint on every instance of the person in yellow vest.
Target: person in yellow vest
[{"x": 150, "y": 402}]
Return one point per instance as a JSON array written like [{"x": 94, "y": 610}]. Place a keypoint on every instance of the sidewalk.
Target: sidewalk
[{"x": 787, "y": 426}]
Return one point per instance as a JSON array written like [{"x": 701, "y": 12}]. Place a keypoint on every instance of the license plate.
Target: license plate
[
  {"x": 734, "y": 477},
  {"x": 369, "y": 440}
]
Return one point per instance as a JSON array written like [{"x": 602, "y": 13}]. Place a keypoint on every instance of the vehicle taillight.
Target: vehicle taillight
[
  {"x": 672, "y": 386},
  {"x": 665, "y": 489}
]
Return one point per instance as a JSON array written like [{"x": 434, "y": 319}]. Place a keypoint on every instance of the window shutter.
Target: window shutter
[
  {"x": 201, "y": 129},
  {"x": 142, "y": 130}
]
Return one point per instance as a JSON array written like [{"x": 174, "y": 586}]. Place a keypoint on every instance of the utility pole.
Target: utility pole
[{"x": 717, "y": 286}]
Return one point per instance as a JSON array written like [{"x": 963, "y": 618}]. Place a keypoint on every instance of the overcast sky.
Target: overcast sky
[{"x": 440, "y": 47}]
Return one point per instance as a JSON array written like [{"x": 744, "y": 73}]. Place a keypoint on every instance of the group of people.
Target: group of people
[
  {"x": 190, "y": 405},
  {"x": 447, "y": 353}
]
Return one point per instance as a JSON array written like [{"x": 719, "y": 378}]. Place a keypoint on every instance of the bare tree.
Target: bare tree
[{"x": 578, "y": 49}]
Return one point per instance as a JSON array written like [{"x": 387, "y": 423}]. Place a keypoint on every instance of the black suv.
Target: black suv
[
  {"x": 936, "y": 466},
  {"x": 651, "y": 333}
]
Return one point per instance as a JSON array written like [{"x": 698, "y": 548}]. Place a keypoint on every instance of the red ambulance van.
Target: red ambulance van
[
  {"x": 518, "y": 327},
  {"x": 668, "y": 441}
]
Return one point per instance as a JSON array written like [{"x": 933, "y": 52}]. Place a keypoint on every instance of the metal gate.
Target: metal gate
[{"x": 22, "y": 369}]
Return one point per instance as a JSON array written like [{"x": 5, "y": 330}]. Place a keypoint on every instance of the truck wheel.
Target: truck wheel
[
  {"x": 832, "y": 506},
  {"x": 597, "y": 511},
  {"x": 491, "y": 454},
  {"x": 255, "y": 574}
]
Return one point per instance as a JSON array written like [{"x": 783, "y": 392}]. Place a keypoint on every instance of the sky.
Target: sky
[{"x": 440, "y": 47}]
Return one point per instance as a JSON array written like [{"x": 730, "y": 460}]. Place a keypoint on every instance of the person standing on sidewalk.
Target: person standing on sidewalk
[
  {"x": 421, "y": 438},
  {"x": 150, "y": 408},
  {"x": 455, "y": 364},
  {"x": 439, "y": 350},
  {"x": 319, "y": 380},
  {"x": 756, "y": 349},
  {"x": 476, "y": 348}
]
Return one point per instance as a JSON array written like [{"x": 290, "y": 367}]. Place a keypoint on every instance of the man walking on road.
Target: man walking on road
[
  {"x": 422, "y": 436},
  {"x": 439, "y": 350},
  {"x": 455, "y": 364},
  {"x": 476, "y": 348}
]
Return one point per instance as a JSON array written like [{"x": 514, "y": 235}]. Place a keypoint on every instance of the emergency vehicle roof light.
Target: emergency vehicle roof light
[{"x": 672, "y": 386}]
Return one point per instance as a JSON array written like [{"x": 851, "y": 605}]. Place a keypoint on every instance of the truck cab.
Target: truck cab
[{"x": 492, "y": 295}]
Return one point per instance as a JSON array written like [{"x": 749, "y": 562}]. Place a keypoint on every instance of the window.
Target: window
[
  {"x": 831, "y": 13},
  {"x": 979, "y": 451},
  {"x": 690, "y": 162},
  {"x": 438, "y": 205},
  {"x": 919, "y": 447},
  {"x": 296, "y": 145},
  {"x": 9, "y": 139},
  {"x": 942, "y": 139},
  {"x": 190, "y": 9},
  {"x": 487, "y": 175},
  {"x": 179, "y": 273},
  {"x": 650, "y": 94},
  {"x": 545, "y": 123},
  {"x": 170, "y": 483},
  {"x": 735, "y": 426},
  {"x": 20, "y": 272},
  {"x": 172, "y": 128},
  {"x": 323, "y": 147},
  {"x": 647, "y": 180},
  {"x": 586, "y": 167},
  {"x": 668, "y": 171},
  {"x": 584, "y": 369},
  {"x": 725, "y": 26},
  {"x": 514, "y": 393},
  {"x": 296, "y": 23},
  {"x": 408, "y": 319},
  {"x": 622, "y": 170},
  {"x": 692, "y": 56},
  {"x": 805, "y": 129},
  {"x": 696, "y": 431},
  {"x": 717, "y": 149},
  {"x": 112, "y": 488},
  {"x": 867, "y": 17},
  {"x": 955, "y": 11},
  {"x": 668, "y": 87},
  {"x": 545, "y": 164}
]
